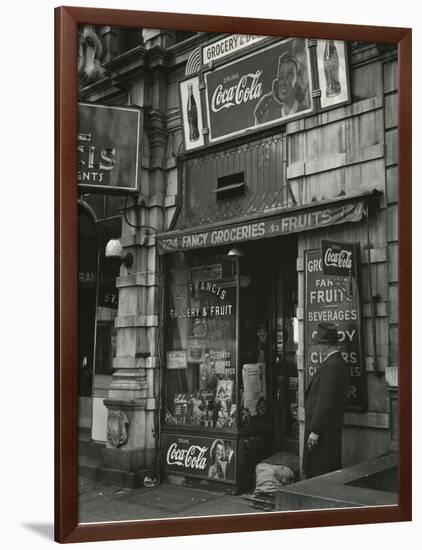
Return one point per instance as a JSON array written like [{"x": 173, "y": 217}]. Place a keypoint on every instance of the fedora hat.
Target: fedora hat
[{"x": 326, "y": 334}]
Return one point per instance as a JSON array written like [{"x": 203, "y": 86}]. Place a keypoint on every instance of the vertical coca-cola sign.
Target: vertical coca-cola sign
[
  {"x": 190, "y": 101},
  {"x": 333, "y": 74}
]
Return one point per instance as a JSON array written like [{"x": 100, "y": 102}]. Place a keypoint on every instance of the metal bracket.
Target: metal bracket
[{"x": 316, "y": 93}]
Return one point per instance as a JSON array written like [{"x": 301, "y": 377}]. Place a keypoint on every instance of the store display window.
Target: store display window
[{"x": 201, "y": 342}]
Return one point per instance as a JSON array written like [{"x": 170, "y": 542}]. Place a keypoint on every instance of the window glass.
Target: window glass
[{"x": 201, "y": 341}]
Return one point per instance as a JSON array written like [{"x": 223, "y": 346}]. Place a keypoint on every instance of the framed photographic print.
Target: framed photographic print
[{"x": 233, "y": 295}]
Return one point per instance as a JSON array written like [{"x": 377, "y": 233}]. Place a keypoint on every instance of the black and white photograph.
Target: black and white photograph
[{"x": 238, "y": 274}]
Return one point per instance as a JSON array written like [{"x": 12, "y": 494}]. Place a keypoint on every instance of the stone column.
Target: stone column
[
  {"x": 130, "y": 452},
  {"x": 133, "y": 398}
]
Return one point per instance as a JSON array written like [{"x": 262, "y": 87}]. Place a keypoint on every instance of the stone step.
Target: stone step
[
  {"x": 369, "y": 483},
  {"x": 84, "y": 447},
  {"x": 84, "y": 433},
  {"x": 89, "y": 467}
]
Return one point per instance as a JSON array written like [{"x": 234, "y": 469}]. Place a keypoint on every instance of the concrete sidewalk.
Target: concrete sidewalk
[{"x": 102, "y": 503}]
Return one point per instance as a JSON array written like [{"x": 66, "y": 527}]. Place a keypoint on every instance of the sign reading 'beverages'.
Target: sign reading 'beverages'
[
  {"x": 334, "y": 299},
  {"x": 268, "y": 86},
  {"x": 338, "y": 258}
]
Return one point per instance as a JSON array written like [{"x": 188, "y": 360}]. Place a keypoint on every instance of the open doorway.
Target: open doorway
[{"x": 268, "y": 332}]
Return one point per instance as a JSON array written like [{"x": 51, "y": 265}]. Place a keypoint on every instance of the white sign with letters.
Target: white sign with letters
[{"x": 228, "y": 45}]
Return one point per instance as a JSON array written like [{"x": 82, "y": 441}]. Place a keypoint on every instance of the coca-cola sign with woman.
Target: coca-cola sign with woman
[
  {"x": 204, "y": 457},
  {"x": 265, "y": 87}
]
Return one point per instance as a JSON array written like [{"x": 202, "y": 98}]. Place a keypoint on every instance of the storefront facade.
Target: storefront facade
[{"x": 214, "y": 324}]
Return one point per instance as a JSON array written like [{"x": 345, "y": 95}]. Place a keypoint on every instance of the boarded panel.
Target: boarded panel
[
  {"x": 390, "y": 76},
  {"x": 391, "y": 111},
  {"x": 394, "y": 344},
  {"x": 392, "y": 223},
  {"x": 391, "y": 184},
  {"x": 393, "y": 304},
  {"x": 391, "y": 147},
  {"x": 393, "y": 269},
  {"x": 366, "y": 81}
]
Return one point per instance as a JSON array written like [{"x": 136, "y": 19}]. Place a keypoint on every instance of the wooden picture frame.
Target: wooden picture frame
[{"x": 67, "y": 528}]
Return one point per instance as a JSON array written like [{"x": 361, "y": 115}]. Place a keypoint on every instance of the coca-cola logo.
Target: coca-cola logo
[
  {"x": 247, "y": 88},
  {"x": 192, "y": 457},
  {"x": 341, "y": 259}
]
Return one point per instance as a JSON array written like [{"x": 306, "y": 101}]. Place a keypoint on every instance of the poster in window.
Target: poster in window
[
  {"x": 177, "y": 359},
  {"x": 253, "y": 375}
]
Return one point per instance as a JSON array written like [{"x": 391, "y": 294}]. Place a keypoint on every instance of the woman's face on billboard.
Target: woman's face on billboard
[{"x": 287, "y": 78}]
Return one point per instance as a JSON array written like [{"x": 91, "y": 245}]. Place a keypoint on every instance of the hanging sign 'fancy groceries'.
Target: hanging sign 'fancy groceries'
[
  {"x": 204, "y": 457},
  {"x": 334, "y": 299},
  {"x": 268, "y": 86},
  {"x": 108, "y": 148},
  {"x": 338, "y": 258}
]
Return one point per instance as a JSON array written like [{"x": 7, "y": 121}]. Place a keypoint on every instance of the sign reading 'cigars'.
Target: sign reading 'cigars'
[
  {"x": 338, "y": 258},
  {"x": 265, "y": 87}
]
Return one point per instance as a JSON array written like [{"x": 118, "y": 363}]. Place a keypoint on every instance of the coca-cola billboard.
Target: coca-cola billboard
[
  {"x": 269, "y": 86},
  {"x": 204, "y": 457},
  {"x": 338, "y": 258}
]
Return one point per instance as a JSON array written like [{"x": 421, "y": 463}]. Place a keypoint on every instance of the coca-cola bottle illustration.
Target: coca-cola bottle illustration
[
  {"x": 192, "y": 112},
  {"x": 331, "y": 69}
]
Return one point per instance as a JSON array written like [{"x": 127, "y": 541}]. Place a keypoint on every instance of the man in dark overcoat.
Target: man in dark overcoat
[{"x": 325, "y": 402}]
